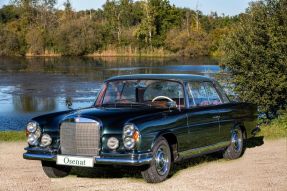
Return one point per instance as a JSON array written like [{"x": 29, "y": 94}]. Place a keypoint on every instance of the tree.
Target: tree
[
  {"x": 35, "y": 41},
  {"x": 190, "y": 44},
  {"x": 8, "y": 13},
  {"x": 9, "y": 43},
  {"x": 78, "y": 37},
  {"x": 255, "y": 55},
  {"x": 159, "y": 18}
]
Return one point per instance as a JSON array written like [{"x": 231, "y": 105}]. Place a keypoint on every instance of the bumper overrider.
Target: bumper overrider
[{"x": 105, "y": 159}]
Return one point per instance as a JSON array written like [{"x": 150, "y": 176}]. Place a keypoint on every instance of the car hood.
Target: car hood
[{"x": 112, "y": 119}]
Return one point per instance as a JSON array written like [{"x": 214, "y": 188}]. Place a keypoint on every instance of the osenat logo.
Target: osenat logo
[{"x": 77, "y": 162}]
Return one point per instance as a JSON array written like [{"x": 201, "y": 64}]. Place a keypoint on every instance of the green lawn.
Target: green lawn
[
  {"x": 9, "y": 136},
  {"x": 276, "y": 129}
]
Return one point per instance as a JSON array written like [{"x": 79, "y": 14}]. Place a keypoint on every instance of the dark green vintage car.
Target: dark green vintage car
[{"x": 151, "y": 121}]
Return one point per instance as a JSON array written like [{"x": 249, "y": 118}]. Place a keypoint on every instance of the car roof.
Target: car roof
[{"x": 177, "y": 77}]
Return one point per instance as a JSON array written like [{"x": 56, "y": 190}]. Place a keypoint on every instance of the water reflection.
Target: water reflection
[
  {"x": 34, "y": 86},
  {"x": 27, "y": 103}
]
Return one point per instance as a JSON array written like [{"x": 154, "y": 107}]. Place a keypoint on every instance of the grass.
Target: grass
[
  {"x": 276, "y": 129},
  {"x": 12, "y": 136}
]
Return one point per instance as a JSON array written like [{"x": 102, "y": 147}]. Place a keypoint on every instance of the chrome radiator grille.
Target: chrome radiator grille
[{"x": 80, "y": 138}]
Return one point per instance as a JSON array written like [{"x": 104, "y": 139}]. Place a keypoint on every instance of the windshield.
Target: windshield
[{"x": 159, "y": 93}]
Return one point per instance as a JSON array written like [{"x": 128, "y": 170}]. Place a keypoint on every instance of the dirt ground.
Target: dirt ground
[{"x": 261, "y": 168}]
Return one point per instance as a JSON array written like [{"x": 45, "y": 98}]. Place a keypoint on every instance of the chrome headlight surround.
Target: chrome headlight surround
[
  {"x": 32, "y": 126},
  {"x": 46, "y": 140},
  {"x": 131, "y": 136},
  {"x": 33, "y": 132},
  {"x": 113, "y": 143}
]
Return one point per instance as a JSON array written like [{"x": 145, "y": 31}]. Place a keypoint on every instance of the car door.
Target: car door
[
  {"x": 203, "y": 116},
  {"x": 226, "y": 112}
]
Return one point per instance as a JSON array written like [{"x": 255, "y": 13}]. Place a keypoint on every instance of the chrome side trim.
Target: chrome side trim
[{"x": 203, "y": 150}]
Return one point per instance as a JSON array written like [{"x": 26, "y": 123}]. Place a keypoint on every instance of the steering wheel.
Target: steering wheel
[{"x": 162, "y": 97}]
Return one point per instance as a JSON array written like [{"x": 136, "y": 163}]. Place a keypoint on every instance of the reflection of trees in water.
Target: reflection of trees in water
[
  {"x": 27, "y": 103},
  {"x": 99, "y": 68}
]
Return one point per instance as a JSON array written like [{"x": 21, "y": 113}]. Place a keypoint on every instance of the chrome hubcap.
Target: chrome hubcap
[
  {"x": 236, "y": 140},
  {"x": 161, "y": 160}
]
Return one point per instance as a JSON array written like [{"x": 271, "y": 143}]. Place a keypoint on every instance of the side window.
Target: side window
[
  {"x": 197, "y": 94},
  {"x": 202, "y": 94},
  {"x": 222, "y": 93},
  {"x": 170, "y": 89},
  {"x": 212, "y": 94}
]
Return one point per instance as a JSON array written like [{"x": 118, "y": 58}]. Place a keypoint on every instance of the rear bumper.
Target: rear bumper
[
  {"x": 256, "y": 130},
  {"x": 125, "y": 159}
]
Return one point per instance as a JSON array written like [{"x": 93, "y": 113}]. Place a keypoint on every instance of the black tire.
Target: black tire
[
  {"x": 55, "y": 171},
  {"x": 160, "y": 166},
  {"x": 237, "y": 147}
]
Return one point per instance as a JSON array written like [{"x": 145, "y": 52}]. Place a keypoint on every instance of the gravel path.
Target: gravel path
[{"x": 261, "y": 168}]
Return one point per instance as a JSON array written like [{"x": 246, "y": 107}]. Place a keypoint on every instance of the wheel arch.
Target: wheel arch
[
  {"x": 242, "y": 128},
  {"x": 172, "y": 142}
]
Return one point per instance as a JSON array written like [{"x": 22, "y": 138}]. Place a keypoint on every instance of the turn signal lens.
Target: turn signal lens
[{"x": 136, "y": 135}]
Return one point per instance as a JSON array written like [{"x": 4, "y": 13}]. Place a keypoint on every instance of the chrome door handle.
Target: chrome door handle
[{"x": 216, "y": 117}]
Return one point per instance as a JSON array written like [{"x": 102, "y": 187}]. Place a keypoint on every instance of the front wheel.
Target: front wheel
[
  {"x": 237, "y": 147},
  {"x": 160, "y": 166},
  {"x": 52, "y": 170}
]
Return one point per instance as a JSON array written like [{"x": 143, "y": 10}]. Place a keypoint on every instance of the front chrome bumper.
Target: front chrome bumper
[{"x": 130, "y": 160}]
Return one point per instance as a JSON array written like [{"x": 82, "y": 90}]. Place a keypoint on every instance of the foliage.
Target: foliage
[
  {"x": 9, "y": 43},
  {"x": 196, "y": 43},
  {"x": 77, "y": 37},
  {"x": 255, "y": 55},
  {"x": 36, "y": 27},
  {"x": 276, "y": 129},
  {"x": 35, "y": 41},
  {"x": 8, "y": 136}
]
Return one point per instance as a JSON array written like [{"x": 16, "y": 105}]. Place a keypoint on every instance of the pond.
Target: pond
[{"x": 38, "y": 85}]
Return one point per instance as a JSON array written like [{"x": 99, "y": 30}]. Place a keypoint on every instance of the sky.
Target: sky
[{"x": 227, "y": 7}]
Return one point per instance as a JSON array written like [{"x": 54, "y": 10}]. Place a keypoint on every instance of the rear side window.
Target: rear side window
[
  {"x": 202, "y": 94},
  {"x": 197, "y": 94},
  {"x": 212, "y": 94}
]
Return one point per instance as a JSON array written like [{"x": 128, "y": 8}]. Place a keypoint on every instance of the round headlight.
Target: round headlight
[
  {"x": 32, "y": 126},
  {"x": 38, "y": 133},
  {"x": 113, "y": 143},
  {"x": 32, "y": 139},
  {"x": 129, "y": 143},
  {"x": 46, "y": 140},
  {"x": 129, "y": 130}
]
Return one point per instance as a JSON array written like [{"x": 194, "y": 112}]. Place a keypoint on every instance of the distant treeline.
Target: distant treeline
[{"x": 121, "y": 27}]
